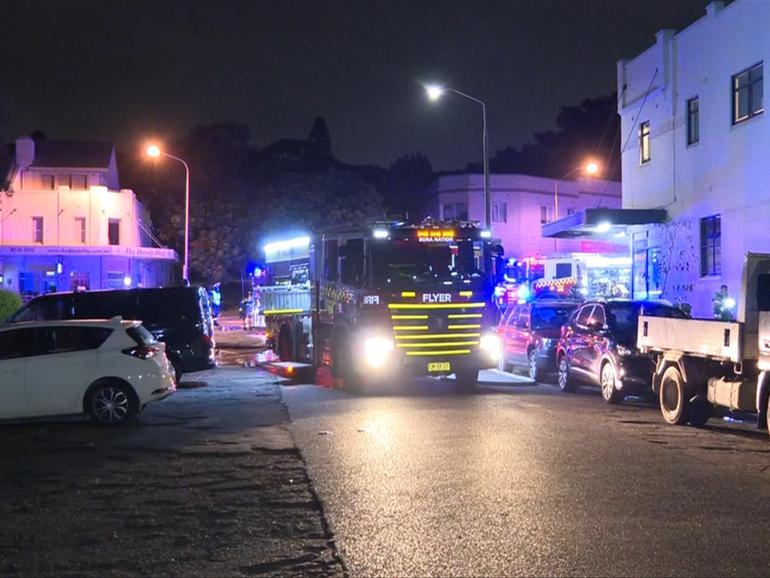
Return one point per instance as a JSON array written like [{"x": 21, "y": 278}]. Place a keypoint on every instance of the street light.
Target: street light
[
  {"x": 434, "y": 93},
  {"x": 590, "y": 168},
  {"x": 154, "y": 151}
]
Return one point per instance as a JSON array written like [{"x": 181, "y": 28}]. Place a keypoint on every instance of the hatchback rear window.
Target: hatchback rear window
[{"x": 141, "y": 335}]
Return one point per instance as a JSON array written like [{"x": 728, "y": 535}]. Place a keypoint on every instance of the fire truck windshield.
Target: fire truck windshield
[{"x": 403, "y": 264}]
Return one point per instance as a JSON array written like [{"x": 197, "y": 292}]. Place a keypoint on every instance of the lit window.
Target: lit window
[
  {"x": 37, "y": 230},
  {"x": 80, "y": 230},
  {"x": 693, "y": 121},
  {"x": 711, "y": 246},
  {"x": 113, "y": 232},
  {"x": 78, "y": 182},
  {"x": 47, "y": 182},
  {"x": 644, "y": 142},
  {"x": 499, "y": 212},
  {"x": 747, "y": 93}
]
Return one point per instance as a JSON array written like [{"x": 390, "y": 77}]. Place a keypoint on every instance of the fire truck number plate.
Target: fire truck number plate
[{"x": 439, "y": 366}]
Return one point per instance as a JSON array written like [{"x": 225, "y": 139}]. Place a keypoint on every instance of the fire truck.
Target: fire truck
[{"x": 386, "y": 301}]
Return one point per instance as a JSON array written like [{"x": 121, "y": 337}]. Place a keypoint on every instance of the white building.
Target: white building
[
  {"x": 692, "y": 105},
  {"x": 66, "y": 224},
  {"x": 522, "y": 204}
]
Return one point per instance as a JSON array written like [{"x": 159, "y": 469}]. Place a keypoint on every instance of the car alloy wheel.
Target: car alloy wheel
[
  {"x": 565, "y": 383},
  {"x": 110, "y": 405},
  {"x": 610, "y": 393},
  {"x": 532, "y": 364}
]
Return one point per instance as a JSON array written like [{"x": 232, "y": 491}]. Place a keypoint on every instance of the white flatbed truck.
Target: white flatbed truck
[{"x": 703, "y": 364}]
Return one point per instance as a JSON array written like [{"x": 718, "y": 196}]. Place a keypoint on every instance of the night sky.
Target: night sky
[{"x": 127, "y": 70}]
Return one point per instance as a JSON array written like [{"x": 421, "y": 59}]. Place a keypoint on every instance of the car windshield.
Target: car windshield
[
  {"x": 551, "y": 316},
  {"x": 624, "y": 317},
  {"x": 400, "y": 264}
]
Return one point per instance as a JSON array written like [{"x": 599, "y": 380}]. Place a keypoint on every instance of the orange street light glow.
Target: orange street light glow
[
  {"x": 592, "y": 168},
  {"x": 153, "y": 151}
]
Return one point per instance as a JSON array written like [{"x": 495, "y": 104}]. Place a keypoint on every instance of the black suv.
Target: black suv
[
  {"x": 178, "y": 316},
  {"x": 598, "y": 346}
]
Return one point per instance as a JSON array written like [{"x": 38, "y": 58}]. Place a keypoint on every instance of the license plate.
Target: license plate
[{"x": 439, "y": 366}]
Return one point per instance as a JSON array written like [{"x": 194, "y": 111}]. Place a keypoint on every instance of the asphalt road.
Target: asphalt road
[{"x": 531, "y": 481}]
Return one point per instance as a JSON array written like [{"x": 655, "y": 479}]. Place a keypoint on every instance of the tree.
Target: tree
[
  {"x": 406, "y": 185},
  {"x": 319, "y": 137},
  {"x": 590, "y": 129}
]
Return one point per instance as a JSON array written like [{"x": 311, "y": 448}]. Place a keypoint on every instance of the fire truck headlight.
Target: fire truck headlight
[
  {"x": 490, "y": 345},
  {"x": 377, "y": 350}
]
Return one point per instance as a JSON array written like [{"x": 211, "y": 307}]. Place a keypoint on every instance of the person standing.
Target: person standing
[
  {"x": 723, "y": 305},
  {"x": 216, "y": 302}
]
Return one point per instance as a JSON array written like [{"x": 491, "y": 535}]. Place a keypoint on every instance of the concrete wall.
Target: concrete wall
[
  {"x": 725, "y": 173},
  {"x": 525, "y": 196}
]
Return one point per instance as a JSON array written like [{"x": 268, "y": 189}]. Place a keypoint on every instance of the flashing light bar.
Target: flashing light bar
[{"x": 278, "y": 246}]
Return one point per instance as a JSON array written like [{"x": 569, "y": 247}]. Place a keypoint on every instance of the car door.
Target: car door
[
  {"x": 14, "y": 344},
  {"x": 521, "y": 332},
  {"x": 579, "y": 340},
  {"x": 62, "y": 367},
  {"x": 596, "y": 338},
  {"x": 507, "y": 331}
]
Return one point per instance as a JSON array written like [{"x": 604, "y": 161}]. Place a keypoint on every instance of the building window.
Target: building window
[
  {"x": 544, "y": 215},
  {"x": 115, "y": 279},
  {"x": 747, "y": 93},
  {"x": 37, "y": 230},
  {"x": 499, "y": 212},
  {"x": 47, "y": 182},
  {"x": 570, "y": 211},
  {"x": 693, "y": 121},
  {"x": 78, "y": 182},
  {"x": 113, "y": 232},
  {"x": 644, "y": 142},
  {"x": 79, "y": 281},
  {"x": 80, "y": 230},
  {"x": 455, "y": 211},
  {"x": 711, "y": 246}
]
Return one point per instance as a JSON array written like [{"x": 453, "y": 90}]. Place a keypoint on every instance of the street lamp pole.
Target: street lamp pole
[
  {"x": 434, "y": 93},
  {"x": 590, "y": 169},
  {"x": 155, "y": 152}
]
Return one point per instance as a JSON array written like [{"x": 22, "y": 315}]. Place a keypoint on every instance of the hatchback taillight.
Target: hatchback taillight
[{"x": 142, "y": 351}]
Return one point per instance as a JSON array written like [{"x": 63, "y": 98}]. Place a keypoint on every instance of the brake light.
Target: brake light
[{"x": 142, "y": 351}]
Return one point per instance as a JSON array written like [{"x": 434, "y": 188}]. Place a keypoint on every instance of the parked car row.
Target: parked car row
[
  {"x": 103, "y": 353},
  {"x": 588, "y": 343}
]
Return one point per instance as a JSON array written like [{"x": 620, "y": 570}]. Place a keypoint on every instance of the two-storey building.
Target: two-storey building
[
  {"x": 692, "y": 111},
  {"x": 522, "y": 204},
  {"x": 65, "y": 223}
]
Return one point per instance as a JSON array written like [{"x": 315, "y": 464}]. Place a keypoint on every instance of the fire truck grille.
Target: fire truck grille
[{"x": 445, "y": 329}]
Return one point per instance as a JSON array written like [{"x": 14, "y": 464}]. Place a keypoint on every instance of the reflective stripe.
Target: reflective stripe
[
  {"x": 465, "y": 326},
  {"x": 435, "y": 305},
  {"x": 282, "y": 311},
  {"x": 445, "y": 344},
  {"x": 410, "y": 316},
  {"x": 439, "y": 353},
  {"x": 410, "y": 327},
  {"x": 465, "y": 315},
  {"x": 440, "y": 336},
  {"x": 408, "y": 294}
]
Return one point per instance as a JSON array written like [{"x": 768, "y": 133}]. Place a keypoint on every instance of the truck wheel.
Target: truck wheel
[
  {"x": 673, "y": 399},
  {"x": 610, "y": 392},
  {"x": 467, "y": 379},
  {"x": 566, "y": 383},
  {"x": 699, "y": 413}
]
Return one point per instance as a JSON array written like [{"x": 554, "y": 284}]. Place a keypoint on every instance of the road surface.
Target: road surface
[{"x": 524, "y": 480}]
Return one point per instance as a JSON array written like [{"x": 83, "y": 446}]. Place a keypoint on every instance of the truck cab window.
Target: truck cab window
[
  {"x": 763, "y": 292},
  {"x": 352, "y": 266}
]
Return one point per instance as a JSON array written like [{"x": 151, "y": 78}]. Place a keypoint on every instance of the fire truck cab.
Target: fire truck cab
[{"x": 392, "y": 300}]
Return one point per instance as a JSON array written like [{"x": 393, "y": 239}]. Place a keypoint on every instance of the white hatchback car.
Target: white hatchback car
[{"x": 107, "y": 369}]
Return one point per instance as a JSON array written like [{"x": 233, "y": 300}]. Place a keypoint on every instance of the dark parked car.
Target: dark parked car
[
  {"x": 530, "y": 332},
  {"x": 178, "y": 316},
  {"x": 598, "y": 346}
]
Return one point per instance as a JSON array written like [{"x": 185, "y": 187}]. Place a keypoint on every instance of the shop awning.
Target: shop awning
[{"x": 601, "y": 223}]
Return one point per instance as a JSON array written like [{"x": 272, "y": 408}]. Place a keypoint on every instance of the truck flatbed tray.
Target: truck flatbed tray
[{"x": 700, "y": 337}]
